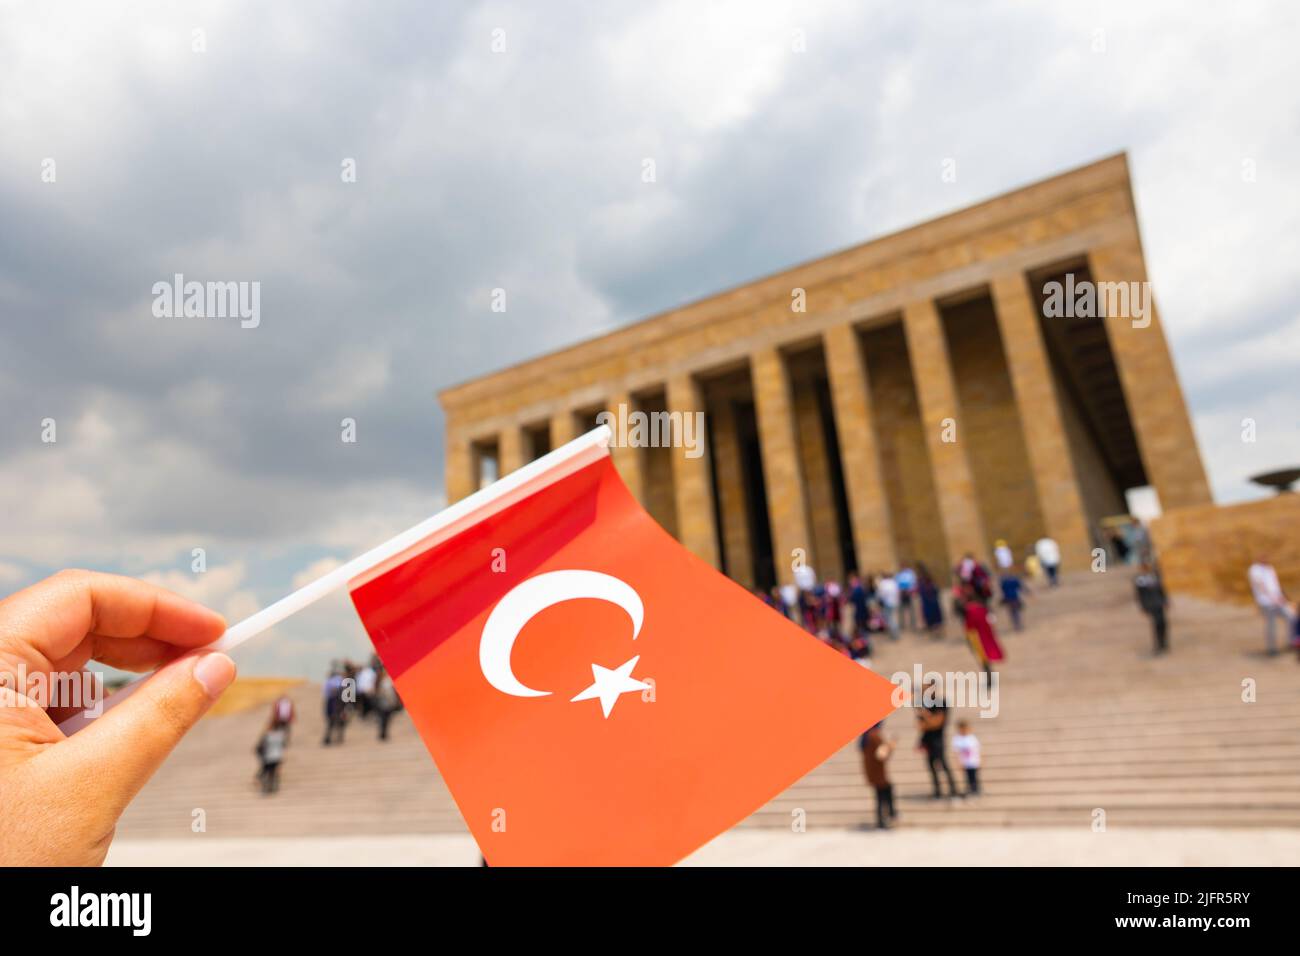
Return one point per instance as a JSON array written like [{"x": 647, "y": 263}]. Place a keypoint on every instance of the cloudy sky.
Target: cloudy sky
[{"x": 219, "y": 155}]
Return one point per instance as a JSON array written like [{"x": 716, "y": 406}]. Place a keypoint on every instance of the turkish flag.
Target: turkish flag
[{"x": 592, "y": 692}]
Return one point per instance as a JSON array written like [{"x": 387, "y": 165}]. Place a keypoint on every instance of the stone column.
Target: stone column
[
  {"x": 729, "y": 469},
  {"x": 1046, "y": 440},
  {"x": 692, "y": 483},
  {"x": 873, "y": 538},
  {"x": 563, "y": 428},
  {"x": 786, "y": 500},
  {"x": 954, "y": 483},
  {"x": 628, "y": 460},
  {"x": 460, "y": 480},
  {"x": 1146, "y": 371},
  {"x": 814, "y": 465},
  {"x": 510, "y": 450}
]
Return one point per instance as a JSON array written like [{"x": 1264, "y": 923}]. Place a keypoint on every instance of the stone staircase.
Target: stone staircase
[{"x": 1088, "y": 720}]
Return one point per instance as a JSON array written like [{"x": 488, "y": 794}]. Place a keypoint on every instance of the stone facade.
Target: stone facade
[
  {"x": 1206, "y": 550},
  {"x": 910, "y": 399}
]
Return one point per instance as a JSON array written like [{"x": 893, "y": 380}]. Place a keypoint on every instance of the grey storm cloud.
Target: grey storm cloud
[{"x": 521, "y": 170}]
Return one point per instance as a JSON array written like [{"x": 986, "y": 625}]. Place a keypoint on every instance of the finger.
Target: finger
[
  {"x": 123, "y": 748},
  {"x": 132, "y": 653},
  {"x": 25, "y": 726},
  {"x": 124, "y": 653},
  {"x": 48, "y": 620},
  {"x": 67, "y": 689}
]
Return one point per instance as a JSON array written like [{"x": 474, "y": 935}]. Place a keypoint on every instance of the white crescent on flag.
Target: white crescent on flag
[{"x": 527, "y": 599}]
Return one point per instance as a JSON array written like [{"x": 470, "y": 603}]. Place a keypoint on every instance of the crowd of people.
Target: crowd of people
[
  {"x": 350, "y": 692},
  {"x": 882, "y": 605},
  {"x": 850, "y": 616}
]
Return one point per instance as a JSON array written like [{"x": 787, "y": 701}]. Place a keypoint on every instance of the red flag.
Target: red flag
[{"x": 592, "y": 692}]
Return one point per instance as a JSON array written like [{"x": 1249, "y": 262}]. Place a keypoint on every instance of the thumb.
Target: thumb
[{"x": 123, "y": 748}]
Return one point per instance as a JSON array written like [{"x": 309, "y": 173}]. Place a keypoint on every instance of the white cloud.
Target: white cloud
[
  {"x": 220, "y": 587},
  {"x": 11, "y": 575},
  {"x": 351, "y": 378},
  {"x": 317, "y": 569}
]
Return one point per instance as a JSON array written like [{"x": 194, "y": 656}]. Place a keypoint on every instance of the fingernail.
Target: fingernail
[{"x": 214, "y": 672}]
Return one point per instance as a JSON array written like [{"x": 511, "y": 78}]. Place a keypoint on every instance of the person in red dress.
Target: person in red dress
[{"x": 979, "y": 630}]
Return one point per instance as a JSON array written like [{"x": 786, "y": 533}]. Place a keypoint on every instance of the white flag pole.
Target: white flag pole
[{"x": 581, "y": 451}]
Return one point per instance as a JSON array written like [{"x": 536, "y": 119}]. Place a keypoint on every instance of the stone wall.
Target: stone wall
[{"x": 1205, "y": 550}]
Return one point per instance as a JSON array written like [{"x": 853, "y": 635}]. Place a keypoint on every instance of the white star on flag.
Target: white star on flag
[{"x": 609, "y": 684}]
